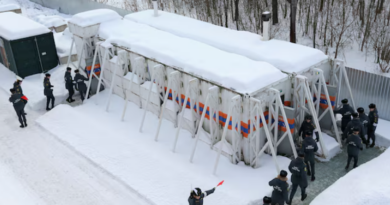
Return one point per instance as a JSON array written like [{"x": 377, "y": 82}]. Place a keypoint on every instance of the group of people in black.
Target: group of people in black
[{"x": 357, "y": 131}]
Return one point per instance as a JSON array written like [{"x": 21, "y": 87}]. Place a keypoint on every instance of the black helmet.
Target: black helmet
[
  {"x": 344, "y": 101},
  {"x": 76, "y": 71},
  {"x": 47, "y": 74},
  {"x": 355, "y": 115},
  {"x": 372, "y": 106},
  {"x": 360, "y": 110},
  {"x": 308, "y": 117},
  {"x": 68, "y": 68},
  {"x": 196, "y": 192},
  {"x": 356, "y": 129},
  {"x": 283, "y": 173},
  {"x": 267, "y": 200},
  {"x": 310, "y": 133}
]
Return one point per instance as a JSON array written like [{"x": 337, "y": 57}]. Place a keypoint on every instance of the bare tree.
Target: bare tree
[
  {"x": 293, "y": 6},
  {"x": 275, "y": 12}
]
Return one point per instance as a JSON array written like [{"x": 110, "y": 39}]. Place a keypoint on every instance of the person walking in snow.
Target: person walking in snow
[
  {"x": 69, "y": 84},
  {"x": 17, "y": 87},
  {"x": 297, "y": 168},
  {"x": 17, "y": 100},
  {"x": 365, "y": 122},
  {"x": 267, "y": 200},
  {"x": 373, "y": 116},
  {"x": 355, "y": 122},
  {"x": 309, "y": 147},
  {"x": 354, "y": 145},
  {"x": 79, "y": 79},
  {"x": 308, "y": 125},
  {"x": 279, "y": 185},
  {"x": 197, "y": 196},
  {"x": 346, "y": 111},
  {"x": 48, "y": 91}
]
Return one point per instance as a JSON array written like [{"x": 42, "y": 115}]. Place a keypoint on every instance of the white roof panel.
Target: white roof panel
[
  {"x": 93, "y": 17},
  {"x": 15, "y": 26}
]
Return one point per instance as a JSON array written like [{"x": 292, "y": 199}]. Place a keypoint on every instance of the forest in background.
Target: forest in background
[{"x": 329, "y": 25}]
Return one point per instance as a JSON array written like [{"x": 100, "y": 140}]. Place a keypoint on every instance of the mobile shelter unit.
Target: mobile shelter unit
[
  {"x": 224, "y": 96},
  {"x": 316, "y": 79},
  {"x": 26, "y": 47}
]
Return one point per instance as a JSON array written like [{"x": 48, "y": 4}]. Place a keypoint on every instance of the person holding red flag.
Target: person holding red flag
[
  {"x": 197, "y": 196},
  {"x": 18, "y": 102}
]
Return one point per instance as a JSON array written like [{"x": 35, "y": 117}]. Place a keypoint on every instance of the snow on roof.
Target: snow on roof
[
  {"x": 14, "y": 26},
  {"x": 51, "y": 21},
  {"x": 230, "y": 70},
  {"x": 93, "y": 17},
  {"x": 284, "y": 55},
  {"x": 9, "y": 7}
]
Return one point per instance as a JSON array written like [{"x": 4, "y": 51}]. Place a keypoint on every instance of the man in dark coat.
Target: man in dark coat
[
  {"x": 279, "y": 184},
  {"x": 310, "y": 147},
  {"x": 308, "y": 125},
  {"x": 267, "y": 200},
  {"x": 79, "y": 79},
  {"x": 48, "y": 91},
  {"x": 346, "y": 111},
  {"x": 365, "y": 122},
  {"x": 197, "y": 196},
  {"x": 354, "y": 145},
  {"x": 18, "y": 87},
  {"x": 373, "y": 116},
  {"x": 16, "y": 100},
  {"x": 69, "y": 85},
  {"x": 355, "y": 122},
  {"x": 297, "y": 168}
]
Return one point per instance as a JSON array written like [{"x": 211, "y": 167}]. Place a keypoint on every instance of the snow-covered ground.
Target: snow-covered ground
[
  {"x": 150, "y": 167},
  {"x": 331, "y": 145},
  {"x": 63, "y": 43},
  {"x": 383, "y": 133},
  {"x": 33, "y": 86}
]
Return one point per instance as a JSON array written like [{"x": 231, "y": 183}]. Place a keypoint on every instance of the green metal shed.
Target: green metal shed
[{"x": 26, "y": 47}]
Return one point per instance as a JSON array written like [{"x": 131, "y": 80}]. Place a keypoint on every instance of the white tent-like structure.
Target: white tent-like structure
[
  {"x": 225, "y": 97},
  {"x": 314, "y": 75}
]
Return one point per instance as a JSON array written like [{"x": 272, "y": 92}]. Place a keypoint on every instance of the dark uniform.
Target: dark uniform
[
  {"x": 279, "y": 194},
  {"x": 16, "y": 100},
  {"x": 307, "y": 126},
  {"x": 69, "y": 86},
  {"x": 346, "y": 111},
  {"x": 352, "y": 124},
  {"x": 365, "y": 121},
  {"x": 193, "y": 201},
  {"x": 298, "y": 170},
  {"x": 79, "y": 79},
  {"x": 49, "y": 93},
  {"x": 309, "y": 147},
  {"x": 354, "y": 145},
  {"x": 373, "y": 116},
  {"x": 18, "y": 88}
]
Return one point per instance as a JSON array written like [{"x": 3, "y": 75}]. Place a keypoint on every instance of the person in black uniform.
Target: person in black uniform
[
  {"x": 308, "y": 125},
  {"x": 354, "y": 145},
  {"x": 197, "y": 196},
  {"x": 16, "y": 100},
  {"x": 373, "y": 116},
  {"x": 69, "y": 84},
  {"x": 279, "y": 184},
  {"x": 18, "y": 87},
  {"x": 297, "y": 168},
  {"x": 346, "y": 111},
  {"x": 48, "y": 91},
  {"x": 355, "y": 122},
  {"x": 365, "y": 121},
  {"x": 79, "y": 79},
  {"x": 267, "y": 200},
  {"x": 309, "y": 147}
]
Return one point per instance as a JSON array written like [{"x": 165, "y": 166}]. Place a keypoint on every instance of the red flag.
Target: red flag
[
  {"x": 220, "y": 183},
  {"x": 24, "y": 98}
]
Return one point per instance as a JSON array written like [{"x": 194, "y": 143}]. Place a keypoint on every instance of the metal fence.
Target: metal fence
[{"x": 369, "y": 88}]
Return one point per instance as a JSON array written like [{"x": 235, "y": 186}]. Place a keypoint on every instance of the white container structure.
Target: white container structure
[
  {"x": 310, "y": 69},
  {"x": 223, "y": 99}
]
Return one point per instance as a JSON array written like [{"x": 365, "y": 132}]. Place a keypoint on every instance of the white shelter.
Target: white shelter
[{"x": 224, "y": 96}]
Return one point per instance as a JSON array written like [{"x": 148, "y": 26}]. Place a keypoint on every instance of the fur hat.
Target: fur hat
[
  {"x": 68, "y": 68},
  {"x": 76, "y": 71},
  {"x": 355, "y": 115},
  {"x": 283, "y": 173},
  {"x": 47, "y": 74},
  {"x": 344, "y": 101},
  {"x": 372, "y": 106},
  {"x": 360, "y": 110},
  {"x": 308, "y": 117}
]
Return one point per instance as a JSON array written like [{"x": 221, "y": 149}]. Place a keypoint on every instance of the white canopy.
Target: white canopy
[{"x": 15, "y": 26}]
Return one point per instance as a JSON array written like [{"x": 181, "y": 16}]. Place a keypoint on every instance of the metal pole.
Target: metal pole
[
  {"x": 339, "y": 85},
  {"x": 128, "y": 96},
  {"x": 112, "y": 85},
  {"x": 70, "y": 53},
  {"x": 182, "y": 113},
  {"x": 348, "y": 86},
  {"x": 147, "y": 101},
  {"x": 101, "y": 73},
  {"x": 92, "y": 67}
]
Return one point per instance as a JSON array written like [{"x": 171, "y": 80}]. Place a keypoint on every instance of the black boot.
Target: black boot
[
  {"x": 303, "y": 197},
  {"x": 308, "y": 173},
  {"x": 313, "y": 178},
  {"x": 48, "y": 109},
  {"x": 21, "y": 126},
  {"x": 372, "y": 145}
]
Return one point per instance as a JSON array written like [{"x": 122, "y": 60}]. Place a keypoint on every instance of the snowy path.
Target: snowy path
[
  {"x": 328, "y": 173},
  {"x": 52, "y": 171}
]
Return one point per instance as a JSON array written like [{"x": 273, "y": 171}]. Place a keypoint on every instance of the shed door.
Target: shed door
[
  {"x": 26, "y": 57},
  {"x": 47, "y": 50}
]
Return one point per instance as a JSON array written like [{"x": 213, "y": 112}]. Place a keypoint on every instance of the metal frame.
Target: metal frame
[
  {"x": 120, "y": 61},
  {"x": 339, "y": 67}
]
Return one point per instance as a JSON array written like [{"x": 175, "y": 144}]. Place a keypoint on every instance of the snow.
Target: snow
[
  {"x": 33, "y": 86},
  {"x": 230, "y": 70},
  {"x": 94, "y": 17},
  {"x": 283, "y": 55},
  {"x": 14, "y": 26},
  {"x": 150, "y": 167},
  {"x": 382, "y": 133},
  {"x": 361, "y": 186},
  {"x": 9, "y": 7},
  {"x": 63, "y": 42},
  {"x": 331, "y": 145},
  {"x": 51, "y": 21}
]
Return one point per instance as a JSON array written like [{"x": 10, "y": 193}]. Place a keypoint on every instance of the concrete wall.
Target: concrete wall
[{"x": 77, "y": 6}]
